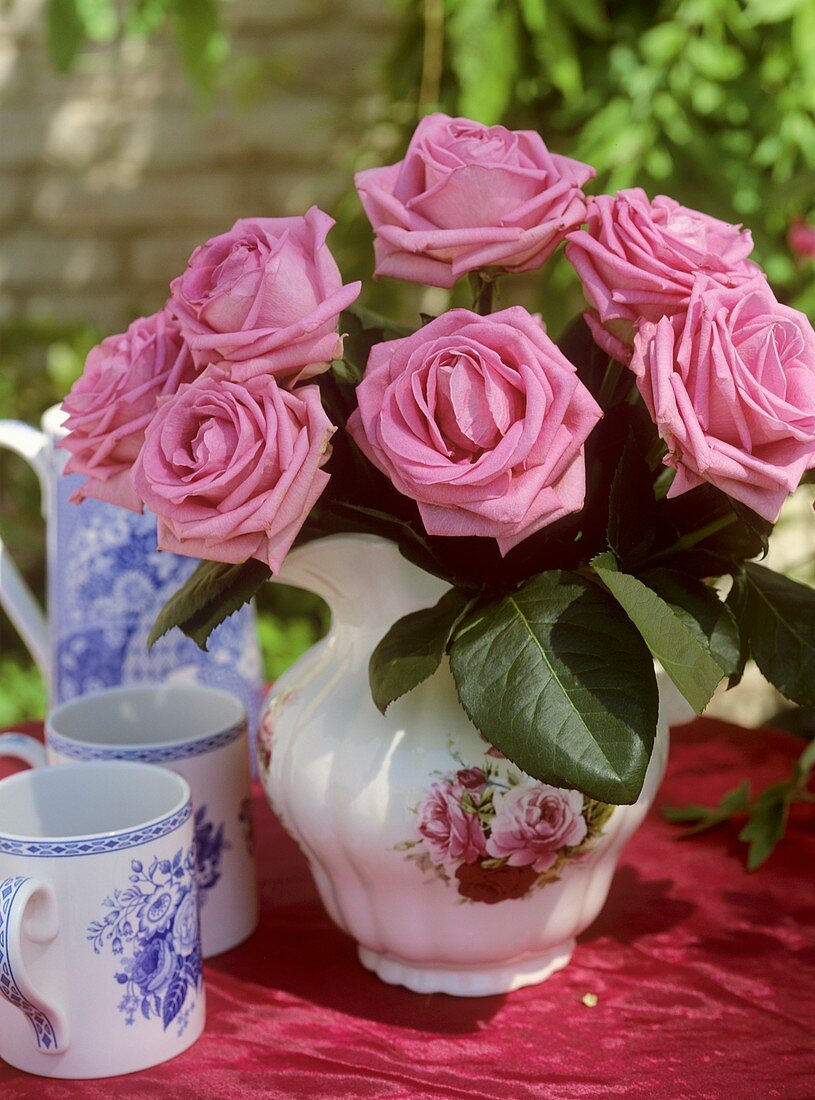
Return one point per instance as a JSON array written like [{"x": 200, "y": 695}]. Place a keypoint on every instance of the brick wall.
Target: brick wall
[{"x": 111, "y": 175}]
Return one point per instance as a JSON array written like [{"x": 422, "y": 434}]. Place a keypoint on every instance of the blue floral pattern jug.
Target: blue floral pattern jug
[{"x": 106, "y": 583}]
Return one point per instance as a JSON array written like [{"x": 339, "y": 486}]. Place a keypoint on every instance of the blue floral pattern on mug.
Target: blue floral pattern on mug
[
  {"x": 210, "y": 846},
  {"x": 152, "y": 927}
]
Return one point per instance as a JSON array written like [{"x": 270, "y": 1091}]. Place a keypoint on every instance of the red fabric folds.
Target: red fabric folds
[{"x": 704, "y": 974}]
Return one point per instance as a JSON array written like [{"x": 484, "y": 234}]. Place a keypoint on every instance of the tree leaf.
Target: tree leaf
[
  {"x": 212, "y": 593},
  {"x": 683, "y": 652},
  {"x": 482, "y": 42},
  {"x": 778, "y": 615},
  {"x": 65, "y": 32},
  {"x": 557, "y": 678},
  {"x": 413, "y": 648},
  {"x": 760, "y": 12},
  {"x": 201, "y": 42},
  {"x": 99, "y": 18}
]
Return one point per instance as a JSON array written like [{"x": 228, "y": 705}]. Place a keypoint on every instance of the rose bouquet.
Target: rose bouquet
[{"x": 578, "y": 496}]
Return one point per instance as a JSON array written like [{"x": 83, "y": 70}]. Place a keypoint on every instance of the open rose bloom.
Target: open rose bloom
[
  {"x": 638, "y": 260},
  {"x": 731, "y": 388},
  {"x": 482, "y": 421},
  {"x": 110, "y": 407},
  {"x": 577, "y": 491},
  {"x": 469, "y": 197},
  {"x": 265, "y": 297}
]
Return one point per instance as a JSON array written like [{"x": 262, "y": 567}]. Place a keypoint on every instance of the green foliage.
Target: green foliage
[
  {"x": 556, "y": 677},
  {"x": 286, "y": 636},
  {"x": 766, "y": 815},
  {"x": 778, "y": 617},
  {"x": 65, "y": 31},
  {"x": 712, "y": 103},
  {"x": 22, "y": 692},
  {"x": 685, "y": 625},
  {"x": 413, "y": 648},
  {"x": 72, "y": 25},
  {"x": 214, "y": 592}
]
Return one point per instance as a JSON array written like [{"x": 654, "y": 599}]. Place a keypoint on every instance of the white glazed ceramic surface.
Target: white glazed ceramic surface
[
  {"x": 350, "y": 785},
  {"x": 201, "y": 734},
  {"x": 100, "y": 954},
  {"x": 106, "y": 583}
]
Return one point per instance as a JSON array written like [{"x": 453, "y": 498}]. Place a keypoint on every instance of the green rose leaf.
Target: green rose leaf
[
  {"x": 766, "y": 815},
  {"x": 362, "y": 329},
  {"x": 766, "y": 824},
  {"x": 778, "y": 615},
  {"x": 700, "y": 608},
  {"x": 557, "y": 678},
  {"x": 413, "y": 648},
  {"x": 690, "y": 631},
  {"x": 211, "y": 594},
  {"x": 735, "y": 601},
  {"x": 631, "y": 505},
  {"x": 699, "y": 818}
]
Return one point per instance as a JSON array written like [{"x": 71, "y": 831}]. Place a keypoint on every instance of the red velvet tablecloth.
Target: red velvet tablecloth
[{"x": 704, "y": 976}]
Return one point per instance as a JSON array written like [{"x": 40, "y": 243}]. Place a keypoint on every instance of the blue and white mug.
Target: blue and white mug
[
  {"x": 100, "y": 950},
  {"x": 106, "y": 584},
  {"x": 201, "y": 734}
]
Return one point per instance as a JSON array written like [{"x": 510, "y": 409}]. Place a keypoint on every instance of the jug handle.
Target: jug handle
[
  {"x": 16, "y": 597},
  {"x": 363, "y": 578}
]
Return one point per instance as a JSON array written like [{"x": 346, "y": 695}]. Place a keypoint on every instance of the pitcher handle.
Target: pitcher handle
[
  {"x": 19, "y": 746},
  {"x": 16, "y": 597},
  {"x": 28, "y": 913}
]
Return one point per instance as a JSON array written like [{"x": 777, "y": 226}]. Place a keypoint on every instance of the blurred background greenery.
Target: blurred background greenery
[{"x": 710, "y": 101}]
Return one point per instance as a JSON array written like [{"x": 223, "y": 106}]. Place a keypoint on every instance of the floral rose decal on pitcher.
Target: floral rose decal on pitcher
[{"x": 500, "y": 835}]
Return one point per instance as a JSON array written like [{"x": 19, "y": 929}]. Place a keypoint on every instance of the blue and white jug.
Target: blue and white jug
[{"x": 106, "y": 583}]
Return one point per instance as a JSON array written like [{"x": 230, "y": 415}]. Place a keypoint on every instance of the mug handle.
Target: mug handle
[
  {"x": 28, "y": 913},
  {"x": 19, "y": 746},
  {"x": 15, "y": 596}
]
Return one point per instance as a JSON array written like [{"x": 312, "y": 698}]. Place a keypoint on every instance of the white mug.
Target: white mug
[
  {"x": 200, "y": 733},
  {"x": 100, "y": 949},
  {"x": 106, "y": 584}
]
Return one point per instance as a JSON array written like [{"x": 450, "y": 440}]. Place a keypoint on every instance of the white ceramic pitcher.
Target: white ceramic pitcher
[
  {"x": 387, "y": 808},
  {"x": 106, "y": 583}
]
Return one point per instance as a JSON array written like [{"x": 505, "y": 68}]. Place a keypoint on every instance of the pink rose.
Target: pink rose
[
  {"x": 532, "y": 824},
  {"x": 232, "y": 470},
  {"x": 481, "y": 420},
  {"x": 638, "y": 259},
  {"x": 802, "y": 239},
  {"x": 468, "y": 197},
  {"x": 450, "y": 833},
  {"x": 266, "y": 297},
  {"x": 731, "y": 388},
  {"x": 110, "y": 406}
]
